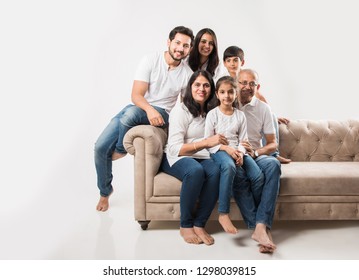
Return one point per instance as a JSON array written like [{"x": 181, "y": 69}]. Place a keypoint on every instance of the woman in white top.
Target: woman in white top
[
  {"x": 204, "y": 54},
  {"x": 188, "y": 160}
]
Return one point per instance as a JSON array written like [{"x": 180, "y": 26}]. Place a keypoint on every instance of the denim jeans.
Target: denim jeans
[
  {"x": 200, "y": 179},
  {"x": 255, "y": 177},
  {"x": 228, "y": 170},
  {"x": 111, "y": 139},
  {"x": 263, "y": 212}
]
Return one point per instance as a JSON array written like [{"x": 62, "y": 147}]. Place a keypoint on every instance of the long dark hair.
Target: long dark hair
[
  {"x": 193, "y": 107},
  {"x": 194, "y": 59}
]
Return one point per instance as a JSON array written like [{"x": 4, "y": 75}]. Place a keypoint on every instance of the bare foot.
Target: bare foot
[
  {"x": 264, "y": 249},
  {"x": 203, "y": 235},
  {"x": 102, "y": 204},
  {"x": 117, "y": 155},
  {"x": 261, "y": 235},
  {"x": 190, "y": 236},
  {"x": 226, "y": 223},
  {"x": 283, "y": 159}
]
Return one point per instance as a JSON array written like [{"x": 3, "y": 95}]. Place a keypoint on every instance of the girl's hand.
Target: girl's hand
[
  {"x": 235, "y": 154},
  {"x": 239, "y": 158}
]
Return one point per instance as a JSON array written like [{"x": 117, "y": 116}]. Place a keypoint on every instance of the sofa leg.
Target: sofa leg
[{"x": 144, "y": 224}]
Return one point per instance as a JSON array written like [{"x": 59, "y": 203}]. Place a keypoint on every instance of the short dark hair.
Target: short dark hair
[
  {"x": 194, "y": 55},
  {"x": 182, "y": 30},
  {"x": 193, "y": 107},
  {"x": 233, "y": 51}
]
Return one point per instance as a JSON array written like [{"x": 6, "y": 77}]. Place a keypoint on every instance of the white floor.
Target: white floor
[{"x": 60, "y": 222}]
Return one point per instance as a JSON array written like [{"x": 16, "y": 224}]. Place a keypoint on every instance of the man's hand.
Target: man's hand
[
  {"x": 283, "y": 120},
  {"x": 154, "y": 117},
  {"x": 248, "y": 148}
]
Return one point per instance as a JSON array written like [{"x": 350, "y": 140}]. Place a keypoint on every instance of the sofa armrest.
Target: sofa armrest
[
  {"x": 154, "y": 137},
  {"x": 145, "y": 143}
]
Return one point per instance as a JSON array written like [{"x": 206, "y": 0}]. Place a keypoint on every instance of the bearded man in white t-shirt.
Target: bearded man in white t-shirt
[
  {"x": 258, "y": 205},
  {"x": 160, "y": 78}
]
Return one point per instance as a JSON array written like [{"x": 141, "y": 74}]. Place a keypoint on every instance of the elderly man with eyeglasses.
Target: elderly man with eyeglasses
[{"x": 257, "y": 205}]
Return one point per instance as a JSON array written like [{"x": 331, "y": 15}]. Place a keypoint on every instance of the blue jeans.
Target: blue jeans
[
  {"x": 111, "y": 139},
  {"x": 263, "y": 212},
  {"x": 228, "y": 170},
  {"x": 255, "y": 177},
  {"x": 200, "y": 179}
]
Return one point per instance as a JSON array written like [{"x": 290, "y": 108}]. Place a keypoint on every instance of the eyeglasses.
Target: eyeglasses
[{"x": 250, "y": 84}]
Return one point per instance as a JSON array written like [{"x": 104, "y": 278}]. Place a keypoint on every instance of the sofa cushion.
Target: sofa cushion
[
  {"x": 298, "y": 178},
  {"x": 320, "y": 178},
  {"x": 166, "y": 185}
]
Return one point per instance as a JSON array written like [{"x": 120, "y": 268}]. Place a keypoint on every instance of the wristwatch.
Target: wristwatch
[{"x": 256, "y": 154}]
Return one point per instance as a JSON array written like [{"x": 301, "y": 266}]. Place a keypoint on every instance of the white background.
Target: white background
[{"x": 66, "y": 68}]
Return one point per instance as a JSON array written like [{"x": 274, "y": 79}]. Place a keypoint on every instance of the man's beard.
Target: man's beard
[{"x": 174, "y": 58}]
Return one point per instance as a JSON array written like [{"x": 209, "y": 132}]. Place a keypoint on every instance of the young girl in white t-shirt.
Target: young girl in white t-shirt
[{"x": 227, "y": 120}]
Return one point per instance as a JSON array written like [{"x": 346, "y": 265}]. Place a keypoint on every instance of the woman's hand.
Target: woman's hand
[{"x": 218, "y": 139}]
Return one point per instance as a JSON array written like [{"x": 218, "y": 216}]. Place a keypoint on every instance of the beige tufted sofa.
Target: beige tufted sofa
[{"x": 322, "y": 182}]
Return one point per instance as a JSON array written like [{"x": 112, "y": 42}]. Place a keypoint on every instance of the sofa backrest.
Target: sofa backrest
[{"x": 325, "y": 140}]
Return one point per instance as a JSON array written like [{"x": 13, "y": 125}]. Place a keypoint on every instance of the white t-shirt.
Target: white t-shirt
[
  {"x": 233, "y": 127},
  {"x": 183, "y": 129},
  {"x": 259, "y": 120},
  {"x": 164, "y": 84}
]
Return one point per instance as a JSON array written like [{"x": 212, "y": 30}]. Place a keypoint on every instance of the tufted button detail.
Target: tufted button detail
[
  {"x": 304, "y": 211},
  {"x": 173, "y": 211},
  {"x": 356, "y": 211},
  {"x": 330, "y": 211}
]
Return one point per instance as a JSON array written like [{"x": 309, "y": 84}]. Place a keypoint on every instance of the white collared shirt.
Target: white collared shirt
[{"x": 259, "y": 121}]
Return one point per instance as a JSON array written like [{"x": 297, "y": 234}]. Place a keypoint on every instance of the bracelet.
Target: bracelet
[{"x": 194, "y": 146}]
